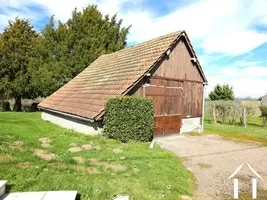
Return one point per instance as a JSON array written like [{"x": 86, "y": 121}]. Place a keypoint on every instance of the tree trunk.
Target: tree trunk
[{"x": 17, "y": 105}]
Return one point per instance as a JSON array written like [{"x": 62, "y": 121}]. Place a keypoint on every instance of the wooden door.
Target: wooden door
[{"x": 167, "y": 99}]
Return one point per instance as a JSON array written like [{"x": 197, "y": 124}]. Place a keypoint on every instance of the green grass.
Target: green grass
[
  {"x": 254, "y": 130},
  {"x": 137, "y": 171},
  {"x": 204, "y": 165}
]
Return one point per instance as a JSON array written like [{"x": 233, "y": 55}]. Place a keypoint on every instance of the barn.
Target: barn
[{"x": 165, "y": 69}]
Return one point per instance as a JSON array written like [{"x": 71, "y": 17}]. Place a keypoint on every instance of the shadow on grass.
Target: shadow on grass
[
  {"x": 78, "y": 197},
  {"x": 8, "y": 188},
  {"x": 254, "y": 125}
]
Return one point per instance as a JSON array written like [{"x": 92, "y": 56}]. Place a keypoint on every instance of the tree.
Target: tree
[
  {"x": 222, "y": 92},
  {"x": 16, "y": 49},
  {"x": 48, "y": 68},
  {"x": 67, "y": 49}
]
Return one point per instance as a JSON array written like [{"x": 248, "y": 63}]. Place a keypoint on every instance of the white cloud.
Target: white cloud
[
  {"x": 215, "y": 26},
  {"x": 220, "y": 29},
  {"x": 246, "y": 81},
  {"x": 243, "y": 63},
  {"x": 60, "y": 8},
  {"x": 234, "y": 43}
]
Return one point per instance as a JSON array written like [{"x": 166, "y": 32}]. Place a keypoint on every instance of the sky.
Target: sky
[{"x": 229, "y": 36}]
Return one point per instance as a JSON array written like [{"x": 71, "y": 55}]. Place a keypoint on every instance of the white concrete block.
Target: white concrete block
[
  {"x": 191, "y": 124},
  {"x": 66, "y": 195},
  {"x": 121, "y": 198},
  {"x": 50, "y": 195},
  {"x": 25, "y": 196},
  {"x": 2, "y": 187}
]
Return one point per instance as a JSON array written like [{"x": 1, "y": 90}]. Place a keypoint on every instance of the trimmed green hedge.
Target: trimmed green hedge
[{"x": 129, "y": 118}]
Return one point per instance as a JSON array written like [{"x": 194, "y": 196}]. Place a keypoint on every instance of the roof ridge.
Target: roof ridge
[{"x": 148, "y": 41}]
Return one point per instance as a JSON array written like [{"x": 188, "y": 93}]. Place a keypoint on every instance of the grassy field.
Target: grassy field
[
  {"x": 254, "y": 130},
  {"x": 36, "y": 155}
]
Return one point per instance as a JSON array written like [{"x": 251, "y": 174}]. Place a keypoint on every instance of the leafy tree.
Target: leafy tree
[
  {"x": 222, "y": 92},
  {"x": 66, "y": 50},
  {"x": 48, "y": 69},
  {"x": 16, "y": 49}
]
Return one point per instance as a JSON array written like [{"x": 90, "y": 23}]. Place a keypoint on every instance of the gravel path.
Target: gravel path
[{"x": 212, "y": 159}]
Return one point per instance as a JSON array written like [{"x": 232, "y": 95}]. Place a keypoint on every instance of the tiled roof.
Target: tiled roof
[{"x": 110, "y": 75}]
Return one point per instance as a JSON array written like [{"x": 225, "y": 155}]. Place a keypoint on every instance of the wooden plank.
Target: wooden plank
[
  {"x": 179, "y": 65},
  {"x": 172, "y": 124},
  {"x": 158, "y": 126},
  {"x": 167, "y": 99},
  {"x": 176, "y": 79}
]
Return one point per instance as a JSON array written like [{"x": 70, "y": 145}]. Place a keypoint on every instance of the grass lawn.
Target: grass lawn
[
  {"x": 36, "y": 155},
  {"x": 254, "y": 130}
]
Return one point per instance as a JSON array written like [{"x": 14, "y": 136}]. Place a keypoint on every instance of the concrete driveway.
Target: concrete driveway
[{"x": 212, "y": 159}]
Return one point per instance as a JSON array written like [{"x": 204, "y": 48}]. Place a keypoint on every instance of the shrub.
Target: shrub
[
  {"x": 250, "y": 111},
  {"x": 235, "y": 112},
  {"x": 6, "y": 106},
  {"x": 31, "y": 108},
  {"x": 211, "y": 109},
  {"x": 263, "y": 110},
  {"x": 129, "y": 118},
  {"x": 223, "y": 109}
]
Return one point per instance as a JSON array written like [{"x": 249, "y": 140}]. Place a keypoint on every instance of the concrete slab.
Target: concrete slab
[
  {"x": 50, "y": 195},
  {"x": 2, "y": 187},
  {"x": 25, "y": 196},
  {"x": 66, "y": 195},
  {"x": 121, "y": 198}
]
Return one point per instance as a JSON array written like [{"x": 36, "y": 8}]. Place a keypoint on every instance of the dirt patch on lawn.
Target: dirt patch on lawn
[
  {"x": 44, "y": 155},
  {"x": 25, "y": 165},
  {"x": 112, "y": 166},
  {"x": 86, "y": 169},
  {"x": 89, "y": 170},
  {"x": 79, "y": 159},
  {"x": 18, "y": 145},
  {"x": 73, "y": 144},
  {"x": 117, "y": 151},
  {"x": 136, "y": 170},
  {"x": 97, "y": 148},
  {"x": 5, "y": 157},
  {"x": 87, "y": 147},
  {"x": 45, "y": 142},
  {"x": 75, "y": 149}
]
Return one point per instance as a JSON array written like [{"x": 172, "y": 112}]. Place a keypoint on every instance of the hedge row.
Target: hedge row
[{"x": 129, "y": 118}]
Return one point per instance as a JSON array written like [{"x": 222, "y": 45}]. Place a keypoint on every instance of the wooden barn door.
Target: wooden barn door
[
  {"x": 173, "y": 106},
  {"x": 167, "y": 99}
]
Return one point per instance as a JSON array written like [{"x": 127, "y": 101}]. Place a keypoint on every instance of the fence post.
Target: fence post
[
  {"x": 214, "y": 114},
  {"x": 244, "y": 116}
]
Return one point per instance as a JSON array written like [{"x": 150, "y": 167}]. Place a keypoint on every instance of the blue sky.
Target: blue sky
[{"x": 230, "y": 36}]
